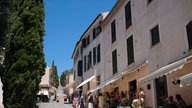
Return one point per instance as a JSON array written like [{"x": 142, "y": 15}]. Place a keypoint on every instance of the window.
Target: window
[
  {"x": 128, "y": 19},
  {"x": 89, "y": 60},
  {"x": 113, "y": 31},
  {"x": 99, "y": 30},
  {"x": 155, "y": 35},
  {"x": 88, "y": 40},
  {"x": 148, "y": 2},
  {"x": 98, "y": 80},
  {"x": 114, "y": 61},
  {"x": 74, "y": 76},
  {"x": 80, "y": 68},
  {"x": 84, "y": 43},
  {"x": 94, "y": 55},
  {"x": 85, "y": 68},
  {"x": 94, "y": 33},
  {"x": 189, "y": 34},
  {"x": 88, "y": 86},
  {"x": 130, "y": 50},
  {"x": 98, "y": 53}
]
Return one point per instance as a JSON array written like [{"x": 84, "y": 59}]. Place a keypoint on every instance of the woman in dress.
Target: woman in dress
[
  {"x": 90, "y": 100},
  {"x": 100, "y": 100}
]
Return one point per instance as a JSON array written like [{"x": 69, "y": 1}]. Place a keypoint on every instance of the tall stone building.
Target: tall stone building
[{"x": 145, "y": 44}]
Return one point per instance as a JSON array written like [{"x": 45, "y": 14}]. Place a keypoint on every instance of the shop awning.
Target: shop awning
[
  {"x": 111, "y": 80},
  {"x": 43, "y": 92},
  {"x": 186, "y": 79},
  {"x": 135, "y": 68},
  {"x": 117, "y": 77},
  {"x": 163, "y": 71},
  {"x": 86, "y": 81}
]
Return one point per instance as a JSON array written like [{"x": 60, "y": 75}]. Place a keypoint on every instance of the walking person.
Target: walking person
[
  {"x": 181, "y": 102},
  {"x": 90, "y": 100},
  {"x": 82, "y": 103},
  {"x": 108, "y": 100},
  {"x": 101, "y": 101},
  {"x": 171, "y": 103},
  {"x": 75, "y": 102}
]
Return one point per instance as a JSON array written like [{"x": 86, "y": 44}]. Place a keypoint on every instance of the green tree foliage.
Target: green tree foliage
[
  {"x": 4, "y": 7},
  {"x": 54, "y": 75},
  {"x": 63, "y": 77},
  {"x": 24, "y": 59}
]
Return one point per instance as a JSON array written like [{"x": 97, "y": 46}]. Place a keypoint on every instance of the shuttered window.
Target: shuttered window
[
  {"x": 98, "y": 53},
  {"x": 89, "y": 60},
  {"x": 114, "y": 61},
  {"x": 94, "y": 55},
  {"x": 113, "y": 31},
  {"x": 155, "y": 35},
  {"x": 85, "y": 67},
  {"x": 189, "y": 34},
  {"x": 128, "y": 17},
  {"x": 130, "y": 50},
  {"x": 80, "y": 69}
]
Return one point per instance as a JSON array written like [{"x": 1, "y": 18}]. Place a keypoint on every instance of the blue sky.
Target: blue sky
[{"x": 65, "y": 22}]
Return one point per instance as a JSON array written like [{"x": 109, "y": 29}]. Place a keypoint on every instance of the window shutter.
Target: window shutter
[
  {"x": 84, "y": 43},
  {"x": 80, "y": 69}
]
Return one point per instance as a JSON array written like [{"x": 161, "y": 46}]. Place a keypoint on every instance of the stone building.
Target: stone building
[{"x": 144, "y": 44}]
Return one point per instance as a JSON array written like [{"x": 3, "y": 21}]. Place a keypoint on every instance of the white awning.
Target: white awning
[
  {"x": 86, "y": 81},
  {"x": 163, "y": 71},
  {"x": 135, "y": 68},
  {"x": 111, "y": 80},
  {"x": 117, "y": 77},
  {"x": 43, "y": 92},
  {"x": 186, "y": 79}
]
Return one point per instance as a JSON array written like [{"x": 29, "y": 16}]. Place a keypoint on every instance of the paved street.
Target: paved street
[{"x": 54, "y": 104}]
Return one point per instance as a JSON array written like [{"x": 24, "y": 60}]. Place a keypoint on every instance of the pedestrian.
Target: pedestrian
[
  {"x": 181, "y": 102},
  {"x": 96, "y": 102},
  {"x": 101, "y": 101},
  {"x": 171, "y": 103},
  {"x": 90, "y": 100},
  {"x": 108, "y": 100},
  {"x": 75, "y": 102},
  {"x": 82, "y": 103},
  {"x": 141, "y": 93}
]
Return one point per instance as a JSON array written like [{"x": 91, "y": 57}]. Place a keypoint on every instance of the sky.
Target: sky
[{"x": 65, "y": 22}]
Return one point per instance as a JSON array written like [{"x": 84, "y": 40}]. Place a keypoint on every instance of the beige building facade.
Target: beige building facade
[
  {"x": 46, "y": 90},
  {"x": 88, "y": 59},
  {"x": 146, "y": 44},
  {"x": 70, "y": 84}
]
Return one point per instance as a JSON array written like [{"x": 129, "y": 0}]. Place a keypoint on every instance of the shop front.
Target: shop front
[
  {"x": 172, "y": 79},
  {"x": 122, "y": 87}
]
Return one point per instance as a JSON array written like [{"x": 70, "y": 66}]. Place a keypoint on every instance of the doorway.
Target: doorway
[
  {"x": 132, "y": 90},
  {"x": 161, "y": 90}
]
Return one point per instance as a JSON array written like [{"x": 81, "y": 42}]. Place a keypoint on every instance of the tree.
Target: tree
[
  {"x": 63, "y": 77},
  {"x": 24, "y": 59},
  {"x": 54, "y": 75},
  {"x": 4, "y": 7}
]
